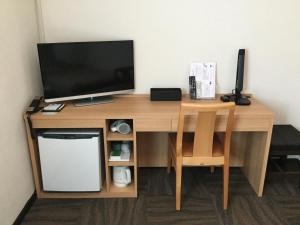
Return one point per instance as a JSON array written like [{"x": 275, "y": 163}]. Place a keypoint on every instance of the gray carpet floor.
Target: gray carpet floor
[{"x": 201, "y": 202}]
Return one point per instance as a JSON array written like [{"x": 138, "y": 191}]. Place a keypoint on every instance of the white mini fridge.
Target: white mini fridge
[{"x": 71, "y": 160}]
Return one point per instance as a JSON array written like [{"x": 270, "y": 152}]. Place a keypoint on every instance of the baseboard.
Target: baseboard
[{"x": 25, "y": 209}]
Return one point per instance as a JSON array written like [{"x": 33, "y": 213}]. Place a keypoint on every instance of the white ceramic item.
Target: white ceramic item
[{"x": 121, "y": 176}]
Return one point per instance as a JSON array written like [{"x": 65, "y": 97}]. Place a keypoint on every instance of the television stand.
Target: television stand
[{"x": 93, "y": 100}]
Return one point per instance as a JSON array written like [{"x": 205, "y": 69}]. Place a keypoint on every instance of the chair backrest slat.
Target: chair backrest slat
[{"x": 204, "y": 134}]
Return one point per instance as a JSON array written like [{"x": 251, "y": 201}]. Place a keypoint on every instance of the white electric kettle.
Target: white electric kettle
[{"x": 121, "y": 176}]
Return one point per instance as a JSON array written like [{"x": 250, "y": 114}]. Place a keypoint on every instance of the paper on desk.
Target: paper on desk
[{"x": 205, "y": 77}]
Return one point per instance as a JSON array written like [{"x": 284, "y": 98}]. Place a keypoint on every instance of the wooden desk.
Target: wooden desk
[{"x": 151, "y": 123}]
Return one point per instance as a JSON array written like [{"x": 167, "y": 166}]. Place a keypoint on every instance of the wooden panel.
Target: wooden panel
[
  {"x": 152, "y": 124},
  {"x": 140, "y": 106},
  {"x": 119, "y": 137},
  {"x": 125, "y": 190},
  {"x": 238, "y": 148},
  {"x": 256, "y": 158},
  {"x": 123, "y": 163},
  {"x": 204, "y": 134},
  {"x": 116, "y": 192},
  {"x": 48, "y": 123},
  {"x": 152, "y": 149},
  {"x": 34, "y": 157},
  {"x": 203, "y": 161},
  {"x": 250, "y": 123},
  {"x": 241, "y": 123}
]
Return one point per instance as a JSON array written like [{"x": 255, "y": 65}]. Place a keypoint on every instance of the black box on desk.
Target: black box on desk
[{"x": 165, "y": 94}]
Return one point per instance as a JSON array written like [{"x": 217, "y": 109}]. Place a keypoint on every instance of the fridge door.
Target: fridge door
[{"x": 70, "y": 163}]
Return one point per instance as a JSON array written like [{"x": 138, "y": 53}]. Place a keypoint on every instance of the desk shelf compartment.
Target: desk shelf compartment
[
  {"x": 116, "y": 136},
  {"x": 129, "y": 190},
  {"x": 130, "y": 162}
]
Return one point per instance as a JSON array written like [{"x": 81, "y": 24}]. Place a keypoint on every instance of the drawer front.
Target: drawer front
[
  {"x": 240, "y": 123},
  {"x": 252, "y": 124},
  {"x": 68, "y": 123},
  {"x": 150, "y": 124}
]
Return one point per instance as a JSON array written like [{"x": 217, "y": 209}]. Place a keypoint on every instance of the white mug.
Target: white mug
[{"x": 121, "y": 176}]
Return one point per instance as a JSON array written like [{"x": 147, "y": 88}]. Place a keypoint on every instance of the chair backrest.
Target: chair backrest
[{"x": 205, "y": 126}]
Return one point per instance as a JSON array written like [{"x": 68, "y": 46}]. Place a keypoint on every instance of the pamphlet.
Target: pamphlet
[{"x": 203, "y": 85}]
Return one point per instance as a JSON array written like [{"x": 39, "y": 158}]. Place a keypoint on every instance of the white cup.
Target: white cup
[{"x": 125, "y": 146}]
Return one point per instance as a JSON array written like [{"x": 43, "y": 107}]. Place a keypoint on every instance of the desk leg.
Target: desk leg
[
  {"x": 33, "y": 152},
  {"x": 256, "y": 158}
]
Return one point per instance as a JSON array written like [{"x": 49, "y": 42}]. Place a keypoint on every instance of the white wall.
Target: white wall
[
  {"x": 19, "y": 82},
  {"x": 170, "y": 34}
]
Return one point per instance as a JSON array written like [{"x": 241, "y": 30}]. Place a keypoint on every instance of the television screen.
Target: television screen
[{"x": 86, "y": 69}]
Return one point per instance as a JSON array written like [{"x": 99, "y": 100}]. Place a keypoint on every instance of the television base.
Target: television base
[{"x": 93, "y": 100}]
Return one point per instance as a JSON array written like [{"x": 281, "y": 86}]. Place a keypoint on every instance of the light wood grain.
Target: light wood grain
[
  {"x": 204, "y": 133},
  {"x": 140, "y": 107},
  {"x": 201, "y": 148},
  {"x": 123, "y": 163},
  {"x": 253, "y": 127},
  {"x": 152, "y": 149},
  {"x": 119, "y": 137},
  {"x": 55, "y": 123},
  {"x": 34, "y": 157},
  {"x": 256, "y": 158}
]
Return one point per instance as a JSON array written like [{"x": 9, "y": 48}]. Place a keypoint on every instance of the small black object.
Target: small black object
[
  {"x": 165, "y": 94},
  {"x": 225, "y": 98},
  {"x": 242, "y": 101},
  {"x": 238, "y": 99},
  {"x": 240, "y": 72},
  {"x": 285, "y": 141},
  {"x": 192, "y": 85},
  {"x": 34, "y": 105}
]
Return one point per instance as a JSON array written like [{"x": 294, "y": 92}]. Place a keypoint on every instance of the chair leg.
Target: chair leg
[
  {"x": 178, "y": 183},
  {"x": 225, "y": 185}
]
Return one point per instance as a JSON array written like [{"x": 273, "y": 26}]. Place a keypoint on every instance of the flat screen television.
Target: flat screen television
[{"x": 86, "y": 70}]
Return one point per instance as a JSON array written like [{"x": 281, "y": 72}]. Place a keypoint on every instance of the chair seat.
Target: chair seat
[{"x": 188, "y": 143}]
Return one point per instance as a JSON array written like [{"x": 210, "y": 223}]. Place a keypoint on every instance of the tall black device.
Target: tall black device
[
  {"x": 237, "y": 96},
  {"x": 240, "y": 73}
]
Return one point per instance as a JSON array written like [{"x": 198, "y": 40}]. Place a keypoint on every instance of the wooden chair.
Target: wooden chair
[{"x": 203, "y": 147}]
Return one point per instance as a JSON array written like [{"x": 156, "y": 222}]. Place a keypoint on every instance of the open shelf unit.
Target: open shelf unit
[{"x": 109, "y": 138}]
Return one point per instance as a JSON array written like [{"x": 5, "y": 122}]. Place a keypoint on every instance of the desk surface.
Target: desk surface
[
  {"x": 135, "y": 106},
  {"x": 164, "y": 113}
]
